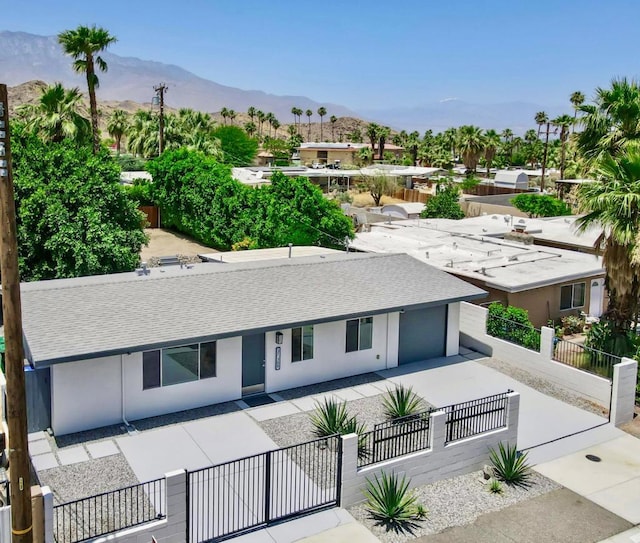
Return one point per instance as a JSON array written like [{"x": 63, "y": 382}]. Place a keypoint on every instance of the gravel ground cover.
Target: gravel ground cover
[
  {"x": 455, "y": 502},
  {"x": 544, "y": 386}
]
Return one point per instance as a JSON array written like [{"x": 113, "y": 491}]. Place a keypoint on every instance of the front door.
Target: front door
[
  {"x": 596, "y": 297},
  {"x": 252, "y": 364}
]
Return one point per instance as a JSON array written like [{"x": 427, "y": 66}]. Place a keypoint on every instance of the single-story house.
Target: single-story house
[
  {"x": 345, "y": 153},
  {"x": 121, "y": 347},
  {"x": 549, "y": 283}
]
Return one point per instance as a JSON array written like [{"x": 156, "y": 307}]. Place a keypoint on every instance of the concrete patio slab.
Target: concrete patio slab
[
  {"x": 41, "y": 446},
  {"x": 42, "y": 462},
  {"x": 348, "y": 394},
  {"x": 272, "y": 411},
  {"x": 72, "y": 455},
  {"x": 228, "y": 437},
  {"x": 613, "y": 483},
  {"x": 629, "y": 536},
  {"x": 153, "y": 453},
  {"x": 308, "y": 403},
  {"x": 371, "y": 389},
  {"x": 36, "y": 436},
  {"x": 102, "y": 449}
]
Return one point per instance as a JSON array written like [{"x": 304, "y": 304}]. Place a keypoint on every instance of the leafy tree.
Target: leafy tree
[
  {"x": 238, "y": 149},
  {"x": 540, "y": 205},
  {"x": 444, "y": 204},
  {"x": 117, "y": 126},
  {"x": 378, "y": 186},
  {"x": 83, "y": 44},
  {"x": 73, "y": 216},
  {"x": 322, "y": 111},
  {"x": 56, "y": 115}
]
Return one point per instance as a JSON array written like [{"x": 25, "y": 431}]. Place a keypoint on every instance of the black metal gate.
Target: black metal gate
[{"x": 256, "y": 491}]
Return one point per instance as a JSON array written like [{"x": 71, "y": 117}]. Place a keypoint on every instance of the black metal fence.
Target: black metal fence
[
  {"x": 476, "y": 416},
  {"x": 394, "y": 438},
  {"x": 238, "y": 496},
  {"x": 521, "y": 334},
  {"x": 109, "y": 512},
  {"x": 585, "y": 358}
]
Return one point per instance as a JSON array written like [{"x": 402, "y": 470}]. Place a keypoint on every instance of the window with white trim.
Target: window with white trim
[
  {"x": 175, "y": 365},
  {"x": 572, "y": 296},
  {"x": 301, "y": 343},
  {"x": 359, "y": 334}
]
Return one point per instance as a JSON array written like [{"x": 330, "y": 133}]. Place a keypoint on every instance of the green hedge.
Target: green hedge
[{"x": 512, "y": 324}]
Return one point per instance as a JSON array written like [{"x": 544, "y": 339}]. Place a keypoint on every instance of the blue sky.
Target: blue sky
[{"x": 369, "y": 54}]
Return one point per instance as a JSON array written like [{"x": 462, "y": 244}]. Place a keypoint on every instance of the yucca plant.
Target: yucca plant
[
  {"x": 401, "y": 402},
  {"x": 352, "y": 426},
  {"x": 329, "y": 417},
  {"x": 389, "y": 500},
  {"x": 495, "y": 487},
  {"x": 510, "y": 466}
]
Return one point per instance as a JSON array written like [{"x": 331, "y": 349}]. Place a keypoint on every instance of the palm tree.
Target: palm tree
[
  {"x": 270, "y": 118},
  {"x": 613, "y": 203},
  {"x": 541, "y": 118},
  {"x": 276, "y": 124},
  {"x": 322, "y": 111},
  {"x": 261, "y": 118},
  {"x": 372, "y": 134},
  {"x": 507, "y": 135},
  {"x": 412, "y": 144},
  {"x": 232, "y": 115},
  {"x": 297, "y": 112},
  {"x": 292, "y": 130},
  {"x": 612, "y": 121},
  {"x": 252, "y": 113},
  {"x": 117, "y": 126},
  {"x": 563, "y": 122},
  {"x": 83, "y": 44},
  {"x": 308, "y": 113},
  {"x": 450, "y": 137},
  {"x": 471, "y": 145},
  {"x": 224, "y": 113},
  {"x": 142, "y": 134},
  {"x": 294, "y": 112},
  {"x": 250, "y": 128},
  {"x": 491, "y": 144},
  {"x": 333, "y": 120},
  {"x": 383, "y": 134},
  {"x": 576, "y": 99},
  {"x": 56, "y": 115}
]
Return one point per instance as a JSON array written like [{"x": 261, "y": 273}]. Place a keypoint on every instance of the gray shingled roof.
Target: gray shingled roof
[{"x": 74, "y": 319}]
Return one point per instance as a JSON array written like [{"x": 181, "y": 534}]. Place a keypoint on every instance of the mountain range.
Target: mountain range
[{"x": 25, "y": 57}]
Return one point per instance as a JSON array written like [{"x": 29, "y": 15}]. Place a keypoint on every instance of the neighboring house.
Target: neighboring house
[
  {"x": 345, "y": 153},
  {"x": 549, "y": 283},
  {"x": 513, "y": 179},
  {"x": 128, "y": 346}
]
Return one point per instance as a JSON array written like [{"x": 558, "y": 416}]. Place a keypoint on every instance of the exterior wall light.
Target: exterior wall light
[{"x": 279, "y": 336}]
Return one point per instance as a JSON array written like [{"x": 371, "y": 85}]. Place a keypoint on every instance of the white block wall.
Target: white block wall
[
  {"x": 453, "y": 329},
  {"x": 592, "y": 387},
  {"x": 439, "y": 462},
  {"x": 330, "y": 361}
]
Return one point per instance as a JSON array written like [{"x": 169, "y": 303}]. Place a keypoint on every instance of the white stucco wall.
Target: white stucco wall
[
  {"x": 225, "y": 386},
  {"x": 330, "y": 361},
  {"x": 453, "y": 330},
  {"x": 85, "y": 394}
]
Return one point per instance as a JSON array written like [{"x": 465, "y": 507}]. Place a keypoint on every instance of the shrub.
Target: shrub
[
  {"x": 495, "y": 487},
  {"x": 444, "y": 204},
  {"x": 141, "y": 192},
  {"x": 510, "y": 466},
  {"x": 540, "y": 205},
  {"x": 512, "y": 324},
  {"x": 330, "y": 417},
  {"x": 572, "y": 324},
  {"x": 389, "y": 500},
  {"x": 401, "y": 402}
]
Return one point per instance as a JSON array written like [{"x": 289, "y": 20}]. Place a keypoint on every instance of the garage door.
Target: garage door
[{"x": 423, "y": 334}]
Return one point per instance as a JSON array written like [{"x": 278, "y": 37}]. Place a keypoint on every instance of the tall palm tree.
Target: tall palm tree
[
  {"x": 541, "y": 118},
  {"x": 412, "y": 144},
  {"x": 250, "y": 128},
  {"x": 83, "y": 44},
  {"x": 294, "y": 112},
  {"x": 507, "y": 135},
  {"x": 576, "y": 99},
  {"x": 491, "y": 144},
  {"x": 471, "y": 145},
  {"x": 232, "y": 116},
  {"x": 308, "y": 113},
  {"x": 322, "y": 111},
  {"x": 612, "y": 121},
  {"x": 252, "y": 113},
  {"x": 276, "y": 124},
  {"x": 142, "y": 134},
  {"x": 333, "y": 120},
  {"x": 56, "y": 115},
  {"x": 117, "y": 126},
  {"x": 298, "y": 114},
  {"x": 372, "y": 133},
  {"x": 224, "y": 113},
  {"x": 383, "y": 134},
  {"x": 613, "y": 203},
  {"x": 261, "y": 118},
  {"x": 563, "y": 122}
]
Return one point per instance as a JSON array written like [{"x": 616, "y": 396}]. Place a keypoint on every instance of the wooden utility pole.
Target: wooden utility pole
[
  {"x": 160, "y": 90},
  {"x": 19, "y": 465}
]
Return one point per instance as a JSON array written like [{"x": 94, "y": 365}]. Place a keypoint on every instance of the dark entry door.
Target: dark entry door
[
  {"x": 423, "y": 334},
  {"x": 253, "y": 360}
]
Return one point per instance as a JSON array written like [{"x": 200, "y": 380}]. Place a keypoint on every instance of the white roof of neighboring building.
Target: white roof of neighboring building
[
  {"x": 128, "y": 177},
  {"x": 574, "y": 181},
  {"x": 511, "y": 176},
  {"x": 255, "y": 255},
  {"x": 508, "y": 266},
  {"x": 403, "y": 210}
]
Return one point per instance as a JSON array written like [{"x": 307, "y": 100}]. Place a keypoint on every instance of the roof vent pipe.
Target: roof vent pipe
[{"x": 290, "y": 249}]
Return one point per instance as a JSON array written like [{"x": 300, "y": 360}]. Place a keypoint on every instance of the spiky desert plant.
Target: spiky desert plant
[
  {"x": 401, "y": 402},
  {"x": 495, "y": 487},
  {"x": 509, "y": 465},
  {"x": 389, "y": 500},
  {"x": 329, "y": 417},
  {"x": 421, "y": 512},
  {"x": 352, "y": 426}
]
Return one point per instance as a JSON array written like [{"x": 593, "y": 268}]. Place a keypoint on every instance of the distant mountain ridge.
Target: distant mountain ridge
[{"x": 25, "y": 57}]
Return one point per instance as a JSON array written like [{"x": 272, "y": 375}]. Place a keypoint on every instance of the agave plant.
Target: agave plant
[
  {"x": 389, "y": 500},
  {"x": 352, "y": 426},
  {"x": 401, "y": 402},
  {"x": 509, "y": 465},
  {"x": 495, "y": 487},
  {"x": 329, "y": 418}
]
